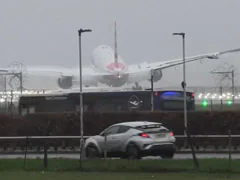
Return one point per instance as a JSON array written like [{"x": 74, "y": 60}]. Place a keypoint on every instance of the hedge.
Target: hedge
[{"x": 67, "y": 124}]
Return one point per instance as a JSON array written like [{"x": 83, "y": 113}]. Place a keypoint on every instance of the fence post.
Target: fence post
[
  {"x": 46, "y": 133},
  {"x": 229, "y": 149},
  {"x": 45, "y": 161},
  {"x": 196, "y": 164},
  {"x": 25, "y": 153}
]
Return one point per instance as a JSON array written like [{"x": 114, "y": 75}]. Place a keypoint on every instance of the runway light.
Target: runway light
[
  {"x": 205, "y": 103},
  {"x": 200, "y": 96},
  {"x": 229, "y": 103}
]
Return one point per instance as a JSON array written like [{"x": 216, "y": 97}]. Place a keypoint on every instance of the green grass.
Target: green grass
[
  {"x": 206, "y": 165},
  {"x": 61, "y": 169},
  {"x": 20, "y": 175}
]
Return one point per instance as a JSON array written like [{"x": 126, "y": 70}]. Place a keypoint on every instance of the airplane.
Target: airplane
[{"x": 109, "y": 68}]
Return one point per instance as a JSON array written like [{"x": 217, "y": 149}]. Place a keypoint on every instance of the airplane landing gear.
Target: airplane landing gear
[{"x": 137, "y": 86}]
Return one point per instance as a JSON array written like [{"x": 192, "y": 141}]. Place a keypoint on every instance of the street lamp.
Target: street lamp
[
  {"x": 184, "y": 79},
  {"x": 152, "y": 98},
  {"x": 81, "y": 99}
]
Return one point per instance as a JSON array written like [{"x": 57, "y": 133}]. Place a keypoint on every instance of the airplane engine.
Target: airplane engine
[
  {"x": 157, "y": 75},
  {"x": 65, "y": 82}
]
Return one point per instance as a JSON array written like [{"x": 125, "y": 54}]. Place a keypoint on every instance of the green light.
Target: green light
[
  {"x": 205, "y": 103},
  {"x": 229, "y": 102}
]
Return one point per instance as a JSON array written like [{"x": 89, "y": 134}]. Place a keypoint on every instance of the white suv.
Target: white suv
[{"x": 132, "y": 140}]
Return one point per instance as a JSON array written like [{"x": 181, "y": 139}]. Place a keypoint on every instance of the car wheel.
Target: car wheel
[
  {"x": 92, "y": 152},
  {"x": 133, "y": 152},
  {"x": 167, "y": 155}
]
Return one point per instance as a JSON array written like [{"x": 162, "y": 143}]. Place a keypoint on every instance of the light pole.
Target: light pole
[
  {"x": 81, "y": 99},
  {"x": 184, "y": 80},
  {"x": 152, "y": 98},
  {"x": 185, "y": 102}
]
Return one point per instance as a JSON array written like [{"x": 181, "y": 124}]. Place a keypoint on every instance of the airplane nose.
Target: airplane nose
[
  {"x": 118, "y": 72},
  {"x": 118, "y": 69}
]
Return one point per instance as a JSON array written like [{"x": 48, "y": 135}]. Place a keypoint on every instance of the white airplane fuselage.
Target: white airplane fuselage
[{"x": 103, "y": 61}]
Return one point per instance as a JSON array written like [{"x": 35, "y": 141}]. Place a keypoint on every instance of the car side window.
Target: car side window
[
  {"x": 112, "y": 130},
  {"x": 123, "y": 129}
]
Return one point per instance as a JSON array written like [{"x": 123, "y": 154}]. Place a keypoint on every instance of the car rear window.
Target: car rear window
[
  {"x": 152, "y": 128},
  {"x": 149, "y": 126}
]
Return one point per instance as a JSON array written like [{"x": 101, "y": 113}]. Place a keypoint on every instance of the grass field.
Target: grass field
[
  {"x": 20, "y": 175},
  {"x": 66, "y": 169},
  {"x": 206, "y": 165}
]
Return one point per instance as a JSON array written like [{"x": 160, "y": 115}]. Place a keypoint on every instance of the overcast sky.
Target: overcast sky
[{"x": 44, "y": 32}]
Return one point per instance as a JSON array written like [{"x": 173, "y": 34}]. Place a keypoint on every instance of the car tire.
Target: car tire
[
  {"x": 92, "y": 152},
  {"x": 168, "y": 155},
  {"x": 133, "y": 152}
]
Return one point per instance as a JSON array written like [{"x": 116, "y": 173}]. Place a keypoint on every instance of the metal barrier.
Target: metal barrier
[
  {"x": 201, "y": 143},
  {"x": 43, "y": 137},
  {"x": 208, "y": 136},
  {"x": 85, "y": 137}
]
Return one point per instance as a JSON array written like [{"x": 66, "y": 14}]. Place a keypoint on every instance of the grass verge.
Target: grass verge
[
  {"x": 116, "y": 165},
  {"x": 20, "y": 175}
]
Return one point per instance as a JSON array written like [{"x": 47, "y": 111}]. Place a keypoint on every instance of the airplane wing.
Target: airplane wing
[
  {"x": 139, "y": 72},
  {"x": 55, "y": 71},
  {"x": 2, "y": 71}
]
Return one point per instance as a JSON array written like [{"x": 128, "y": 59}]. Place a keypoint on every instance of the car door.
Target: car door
[
  {"x": 120, "y": 138},
  {"x": 111, "y": 135}
]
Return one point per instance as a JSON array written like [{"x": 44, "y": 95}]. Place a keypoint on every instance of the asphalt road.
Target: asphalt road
[{"x": 76, "y": 156}]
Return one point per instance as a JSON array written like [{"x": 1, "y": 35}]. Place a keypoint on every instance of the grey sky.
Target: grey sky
[{"x": 45, "y": 32}]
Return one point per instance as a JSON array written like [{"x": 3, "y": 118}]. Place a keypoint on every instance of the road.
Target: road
[{"x": 76, "y": 156}]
